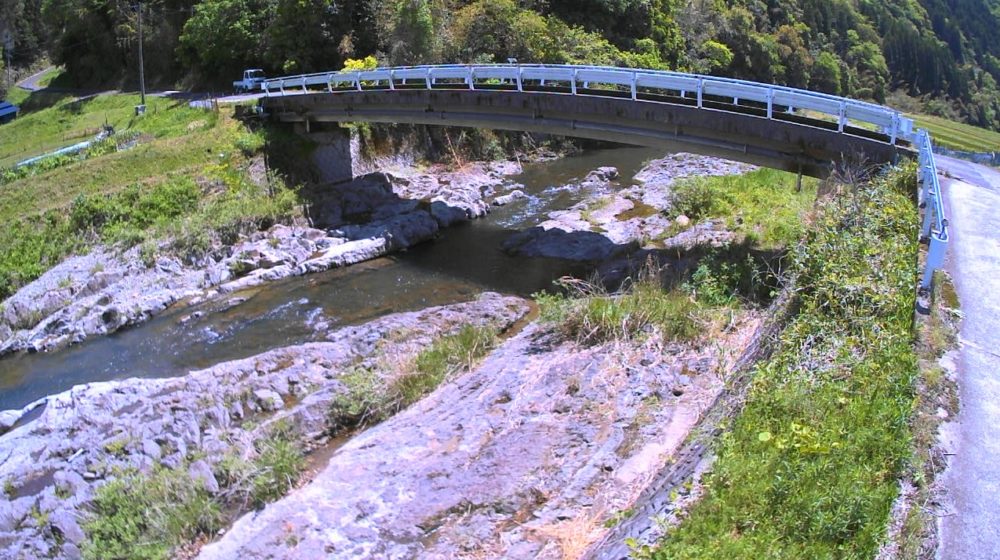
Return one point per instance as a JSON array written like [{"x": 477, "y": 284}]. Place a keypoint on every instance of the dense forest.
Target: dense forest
[{"x": 939, "y": 56}]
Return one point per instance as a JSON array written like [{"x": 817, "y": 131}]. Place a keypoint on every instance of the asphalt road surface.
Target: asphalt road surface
[
  {"x": 31, "y": 84},
  {"x": 971, "y": 529}
]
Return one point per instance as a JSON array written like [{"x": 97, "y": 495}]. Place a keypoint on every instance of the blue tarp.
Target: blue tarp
[{"x": 7, "y": 111}]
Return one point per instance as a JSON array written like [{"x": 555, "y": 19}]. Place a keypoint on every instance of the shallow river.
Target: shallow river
[{"x": 465, "y": 261}]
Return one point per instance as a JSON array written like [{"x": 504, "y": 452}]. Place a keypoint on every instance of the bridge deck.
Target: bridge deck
[{"x": 741, "y": 132}]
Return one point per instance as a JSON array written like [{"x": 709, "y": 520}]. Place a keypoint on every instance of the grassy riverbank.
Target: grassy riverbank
[
  {"x": 812, "y": 464},
  {"x": 191, "y": 179},
  {"x": 766, "y": 205}
]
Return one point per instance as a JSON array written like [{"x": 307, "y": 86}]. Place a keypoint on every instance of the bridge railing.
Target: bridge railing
[
  {"x": 698, "y": 89},
  {"x": 771, "y": 98},
  {"x": 935, "y": 225}
]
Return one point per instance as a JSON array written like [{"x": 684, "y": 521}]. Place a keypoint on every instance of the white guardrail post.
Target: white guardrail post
[{"x": 775, "y": 100}]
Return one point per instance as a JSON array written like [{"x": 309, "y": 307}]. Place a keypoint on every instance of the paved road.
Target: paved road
[
  {"x": 972, "y": 199},
  {"x": 31, "y": 84}
]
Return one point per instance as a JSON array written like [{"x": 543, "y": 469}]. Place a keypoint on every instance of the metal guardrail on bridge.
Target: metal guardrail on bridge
[
  {"x": 636, "y": 83},
  {"x": 772, "y": 98}
]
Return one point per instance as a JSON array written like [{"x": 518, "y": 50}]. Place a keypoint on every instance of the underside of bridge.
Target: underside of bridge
[{"x": 790, "y": 143}]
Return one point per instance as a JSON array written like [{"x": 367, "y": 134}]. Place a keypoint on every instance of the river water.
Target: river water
[{"x": 464, "y": 261}]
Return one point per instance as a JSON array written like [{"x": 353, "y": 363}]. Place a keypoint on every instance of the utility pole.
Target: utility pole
[
  {"x": 8, "y": 47},
  {"x": 141, "y": 109}
]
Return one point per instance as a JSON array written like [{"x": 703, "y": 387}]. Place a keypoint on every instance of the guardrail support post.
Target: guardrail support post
[
  {"x": 929, "y": 211},
  {"x": 701, "y": 89},
  {"x": 520, "y": 80},
  {"x": 935, "y": 259},
  {"x": 635, "y": 89},
  {"x": 926, "y": 179},
  {"x": 842, "y": 117},
  {"x": 770, "y": 104}
]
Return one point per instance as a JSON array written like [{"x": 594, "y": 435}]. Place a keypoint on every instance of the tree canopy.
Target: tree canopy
[{"x": 941, "y": 54}]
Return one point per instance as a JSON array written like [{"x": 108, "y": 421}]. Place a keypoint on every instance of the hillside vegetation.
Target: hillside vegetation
[{"x": 940, "y": 55}]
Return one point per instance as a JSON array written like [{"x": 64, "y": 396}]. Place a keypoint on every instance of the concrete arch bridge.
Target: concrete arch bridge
[{"x": 773, "y": 126}]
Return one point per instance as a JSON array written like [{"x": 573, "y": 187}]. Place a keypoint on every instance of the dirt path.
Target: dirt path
[{"x": 972, "y": 479}]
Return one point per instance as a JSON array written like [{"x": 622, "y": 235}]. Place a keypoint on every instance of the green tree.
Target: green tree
[
  {"x": 715, "y": 56},
  {"x": 825, "y": 75},
  {"x": 498, "y": 29},
  {"x": 794, "y": 53},
  {"x": 413, "y": 38},
  {"x": 872, "y": 70},
  {"x": 224, "y": 36},
  {"x": 305, "y": 35}
]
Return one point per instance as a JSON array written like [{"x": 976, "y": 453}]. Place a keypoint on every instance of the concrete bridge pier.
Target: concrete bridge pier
[{"x": 337, "y": 152}]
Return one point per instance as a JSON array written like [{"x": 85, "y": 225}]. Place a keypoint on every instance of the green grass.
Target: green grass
[
  {"x": 53, "y": 76},
  {"x": 591, "y": 315},
  {"x": 763, "y": 204},
  {"x": 958, "y": 136},
  {"x": 186, "y": 182},
  {"x": 277, "y": 466},
  {"x": 446, "y": 356},
  {"x": 368, "y": 399},
  {"x": 139, "y": 516},
  {"x": 811, "y": 466},
  {"x": 144, "y": 516},
  {"x": 68, "y": 122}
]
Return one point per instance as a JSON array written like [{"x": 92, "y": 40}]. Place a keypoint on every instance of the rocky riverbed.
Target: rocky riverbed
[
  {"x": 532, "y": 454},
  {"x": 369, "y": 217},
  {"x": 84, "y": 437},
  {"x": 374, "y": 215},
  {"x": 621, "y": 216}
]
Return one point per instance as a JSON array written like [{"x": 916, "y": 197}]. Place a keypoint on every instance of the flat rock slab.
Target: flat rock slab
[{"x": 525, "y": 457}]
